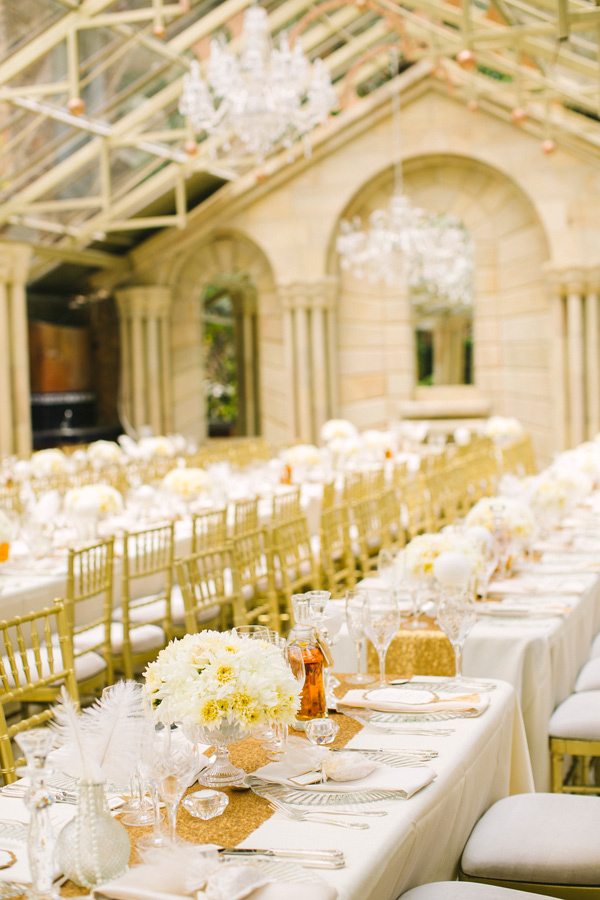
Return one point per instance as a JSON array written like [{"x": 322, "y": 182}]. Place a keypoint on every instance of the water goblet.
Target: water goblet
[
  {"x": 417, "y": 588},
  {"x": 386, "y": 569},
  {"x": 381, "y": 621},
  {"x": 169, "y": 764},
  {"x": 456, "y": 617},
  {"x": 355, "y": 601}
]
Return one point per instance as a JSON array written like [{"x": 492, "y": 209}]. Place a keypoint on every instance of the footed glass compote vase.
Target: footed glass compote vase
[{"x": 222, "y": 772}]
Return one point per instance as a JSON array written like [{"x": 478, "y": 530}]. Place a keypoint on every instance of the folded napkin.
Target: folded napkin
[
  {"x": 220, "y": 881},
  {"x": 303, "y": 759},
  {"x": 384, "y": 778},
  {"x": 399, "y": 701},
  {"x": 520, "y": 610},
  {"x": 524, "y": 587}
]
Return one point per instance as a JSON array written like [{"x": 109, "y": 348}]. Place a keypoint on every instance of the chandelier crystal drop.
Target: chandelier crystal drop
[{"x": 266, "y": 96}]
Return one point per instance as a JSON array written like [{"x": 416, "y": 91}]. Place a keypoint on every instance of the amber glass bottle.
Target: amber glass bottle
[{"x": 312, "y": 699}]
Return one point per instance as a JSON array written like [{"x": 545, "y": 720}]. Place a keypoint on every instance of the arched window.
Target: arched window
[{"x": 230, "y": 349}]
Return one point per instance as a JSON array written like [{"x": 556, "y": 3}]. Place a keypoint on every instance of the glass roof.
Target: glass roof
[{"x": 93, "y": 148}]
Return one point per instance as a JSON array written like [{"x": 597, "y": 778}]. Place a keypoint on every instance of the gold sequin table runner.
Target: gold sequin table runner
[
  {"x": 417, "y": 651},
  {"x": 245, "y": 812}
]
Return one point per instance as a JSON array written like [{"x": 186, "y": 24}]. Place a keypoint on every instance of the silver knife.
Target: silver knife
[{"x": 315, "y": 859}]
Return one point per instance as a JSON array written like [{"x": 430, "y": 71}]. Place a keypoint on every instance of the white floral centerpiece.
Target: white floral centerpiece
[
  {"x": 158, "y": 445},
  {"x": 502, "y": 428},
  {"x": 101, "y": 452},
  {"x": 214, "y": 678},
  {"x": 219, "y": 688},
  {"x": 421, "y": 553},
  {"x": 337, "y": 428},
  {"x": 48, "y": 462},
  {"x": 100, "y": 498},
  {"x": 381, "y": 442},
  {"x": 556, "y": 490},
  {"x": 186, "y": 482},
  {"x": 6, "y": 535},
  {"x": 301, "y": 455},
  {"x": 511, "y": 515}
]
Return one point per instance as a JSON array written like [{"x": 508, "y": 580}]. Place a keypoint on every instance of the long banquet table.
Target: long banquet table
[
  {"x": 540, "y": 655},
  {"x": 419, "y": 840}
]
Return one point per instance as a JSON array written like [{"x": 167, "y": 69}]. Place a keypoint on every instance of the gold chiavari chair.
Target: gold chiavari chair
[
  {"x": 207, "y": 584},
  {"x": 415, "y": 502},
  {"x": 253, "y": 566},
  {"x": 392, "y": 519},
  {"x": 373, "y": 482},
  {"x": 36, "y": 659},
  {"x": 295, "y": 567},
  {"x": 371, "y": 532},
  {"x": 338, "y": 568},
  {"x": 209, "y": 529},
  {"x": 10, "y": 499},
  {"x": 286, "y": 505},
  {"x": 329, "y": 495},
  {"x": 245, "y": 516},
  {"x": 88, "y": 605},
  {"x": 353, "y": 487},
  {"x": 147, "y": 620}
]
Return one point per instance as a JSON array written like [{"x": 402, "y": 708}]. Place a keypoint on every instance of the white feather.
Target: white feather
[{"x": 103, "y": 742}]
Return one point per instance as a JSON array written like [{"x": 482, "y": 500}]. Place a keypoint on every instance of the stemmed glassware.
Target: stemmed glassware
[
  {"x": 416, "y": 584},
  {"x": 277, "y": 737},
  {"x": 36, "y": 744},
  {"x": 381, "y": 621},
  {"x": 355, "y": 601},
  {"x": 456, "y": 617},
  {"x": 254, "y": 632},
  {"x": 169, "y": 764}
]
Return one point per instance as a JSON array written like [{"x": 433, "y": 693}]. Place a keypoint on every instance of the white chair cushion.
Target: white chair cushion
[
  {"x": 465, "y": 890},
  {"x": 589, "y": 676},
  {"x": 142, "y": 638},
  {"x": 86, "y": 666},
  {"x": 577, "y": 717},
  {"x": 595, "y": 651},
  {"x": 153, "y": 609},
  {"x": 537, "y": 839}
]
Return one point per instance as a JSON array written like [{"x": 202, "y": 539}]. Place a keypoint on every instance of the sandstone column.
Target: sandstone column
[
  {"x": 310, "y": 338},
  {"x": 145, "y": 353},
  {"x": 575, "y": 290},
  {"x": 592, "y": 349},
  {"x": 15, "y": 414}
]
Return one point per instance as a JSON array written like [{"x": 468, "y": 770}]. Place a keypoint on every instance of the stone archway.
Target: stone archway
[
  {"x": 512, "y": 309},
  {"x": 236, "y": 263}
]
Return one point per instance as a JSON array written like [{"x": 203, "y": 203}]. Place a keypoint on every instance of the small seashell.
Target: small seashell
[
  {"x": 348, "y": 766},
  {"x": 234, "y": 882}
]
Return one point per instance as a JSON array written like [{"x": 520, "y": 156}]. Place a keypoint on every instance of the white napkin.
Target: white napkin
[
  {"x": 520, "y": 610},
  {"x": 153, "y": 883},
  {"x": 529, "y": 586},
  {"x": 398, "y": 700},
  {"x": 385, "y": 778}
]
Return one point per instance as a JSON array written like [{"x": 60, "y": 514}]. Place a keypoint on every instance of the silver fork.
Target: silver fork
[{"x": 300, "y": 815}]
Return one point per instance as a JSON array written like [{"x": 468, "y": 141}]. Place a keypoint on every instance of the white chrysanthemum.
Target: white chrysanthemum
[
  {"x": 102, "y": 498},
  {"x": 104, "y": 452},
  {"x": 337, "y": 428},
  {"x": 6, "y": 529},
  {"x": 213, "y": 678},
  {"x": 421, "y": 553},
  {"x": 302, "y": 455},
  {"x": 346, "y": 446},
  {"x": 48, "y": 462},
  {"x": 186, "y": 482}
]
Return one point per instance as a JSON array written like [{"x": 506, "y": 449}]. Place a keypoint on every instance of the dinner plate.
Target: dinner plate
[
  {"x": 387, "y": 719},
  {"x": 318, "y": 799}
]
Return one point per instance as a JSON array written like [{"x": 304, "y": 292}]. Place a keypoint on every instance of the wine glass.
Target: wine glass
[
  {"x": 416, "y": 585},
  {"x": 355, "y": 601},
  {"x": 252, "y": 632},
  {"x": 387, "y": 569},
  {"x": 171, "y": 763},
  {"x": 456, "y": 617},
  {"x": 381, "y": 621}
]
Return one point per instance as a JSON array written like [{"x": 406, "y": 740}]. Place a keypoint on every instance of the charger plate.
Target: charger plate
[{"x": 319, "y": 799}]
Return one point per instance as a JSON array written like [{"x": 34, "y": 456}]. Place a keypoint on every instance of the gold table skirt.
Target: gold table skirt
[{"x": 416, "y": 651}]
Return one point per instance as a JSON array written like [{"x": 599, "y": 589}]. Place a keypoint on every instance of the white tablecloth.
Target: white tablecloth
[
  {"x": 421, "y": 839},
  {"x": 540, "y": 657}
]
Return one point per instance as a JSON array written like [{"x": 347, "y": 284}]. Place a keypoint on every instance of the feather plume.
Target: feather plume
[
  {"x": 104, "y": 741},
  {"x": 74, "y": 753}
]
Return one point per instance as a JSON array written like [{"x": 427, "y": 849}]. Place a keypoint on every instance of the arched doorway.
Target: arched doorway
[{"x": 230, "y": 356}]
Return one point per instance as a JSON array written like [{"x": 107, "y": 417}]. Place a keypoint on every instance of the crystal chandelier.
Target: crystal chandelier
[
  {"x": 265, "y": 96},
  {"x": 433, "y": 254}
]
